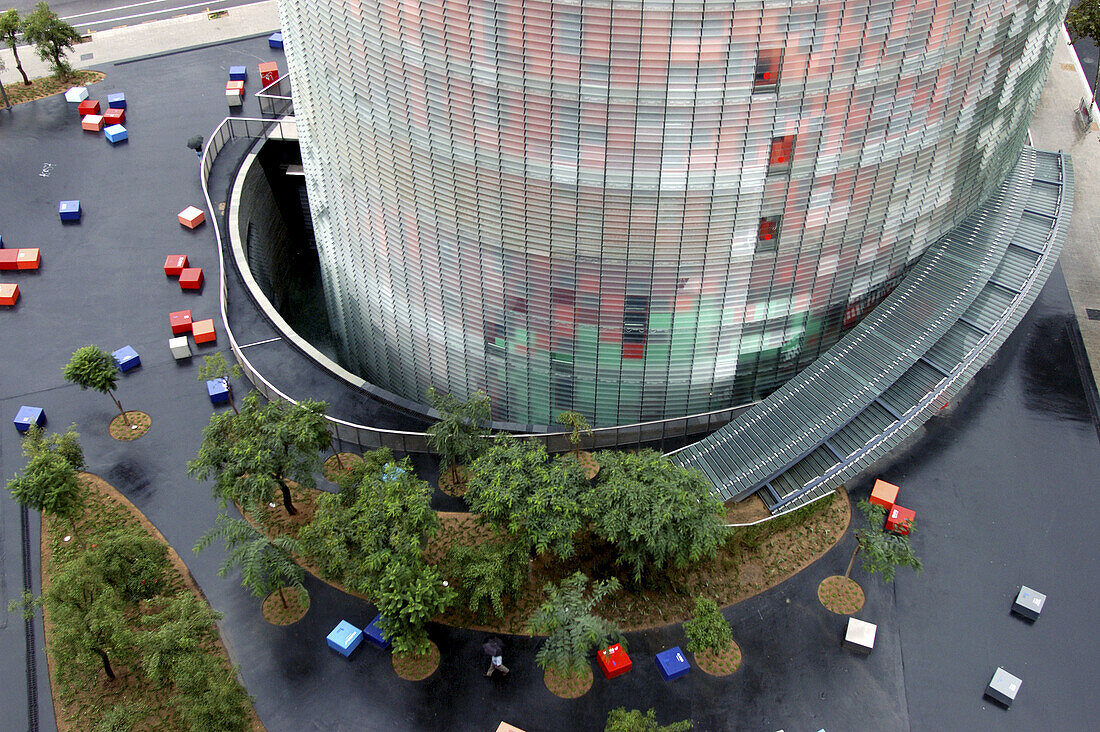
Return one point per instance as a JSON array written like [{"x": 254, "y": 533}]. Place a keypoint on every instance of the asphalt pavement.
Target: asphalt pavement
[{"x": 1000, "y": 479}]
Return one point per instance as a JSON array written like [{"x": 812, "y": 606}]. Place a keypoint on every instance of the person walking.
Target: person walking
[{"x": 494, "y": 648}]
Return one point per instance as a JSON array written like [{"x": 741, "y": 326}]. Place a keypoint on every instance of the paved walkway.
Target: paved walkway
[{"x": 980, "y": 477}]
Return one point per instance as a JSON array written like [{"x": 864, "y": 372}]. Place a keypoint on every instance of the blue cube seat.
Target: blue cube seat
[
  {"x": 238, "y": 73},
  {"x": 115, "y": 134},
  {"x": 672, "y": 664},
  {"x": 275, "y": 40},
  {"x": 344, "y": 638},
  {"x": 116, "y": 101},
  {"x": 127, "y": 358},
  {"x": 373, "y": 632},
  {"x": 69, "y": 210},
  {"x": 218, "y": 391},
  {"x": 27, "y": 416}
]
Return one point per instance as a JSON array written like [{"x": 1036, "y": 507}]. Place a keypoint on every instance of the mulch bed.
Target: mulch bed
[
  {"x": 588, "y": 463},
  {"x": 333, "y": 471},
  {"x": 107, "y": 509},
  {"x": 566, "y": 686},
  {"x": 140, "y": 422},
  {"x": 449, "y": 485},
  {"x": 297, "y": 605},
  {"x": 721, "y": 663},
  {"x": 47, "y": 86},
  {"x": 840, "y": 594},
  {"x": 417, "y": 668}
]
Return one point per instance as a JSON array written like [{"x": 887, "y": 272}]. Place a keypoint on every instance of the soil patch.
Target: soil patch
[
  {"x": 452, "y": 485},
  {"x": 339, "y": 465},
  {"x": 417, "y": 668},
  {"x": 746, "y": 511},
  {"x": 79, "y": 703},
  {"x": 840, "y": 595},
  {"x": 139, "y": 424},
  {"x": 567, "y": 686},
  {"x": 47, "y": 86},
  {"x": 721, "y": 663},
  {"x": 588, "y": 463},
  {"x": 295, "y": 608}
]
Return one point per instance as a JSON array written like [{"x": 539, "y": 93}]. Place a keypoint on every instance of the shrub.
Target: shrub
[
  {"x": 620, "y": 720},
  {"x": 132, "y": 562},
  {"x": 708, "y": 630},
  {"x": 487, "y": 573}
]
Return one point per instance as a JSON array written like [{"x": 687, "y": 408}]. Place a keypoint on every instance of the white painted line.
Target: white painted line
[
  {"x": 173, "y": 9},
  {"x": 260, "y": 343},
  {"x": 113, "y": 9}
]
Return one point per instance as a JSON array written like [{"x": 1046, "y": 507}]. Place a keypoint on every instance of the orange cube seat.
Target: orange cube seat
[
  {"x": 92, "y": 123},
  {"x": 884, "y": 494},
  {"x": 191, "y": 278},
  {"x": 203, "y": 330},
  {"x": 180, "y": 321},
  {"x": 191, "y": 217},
  {"x": 9, "y": 293},
  {"x": 28, "y": 259},
  {"x": 174, "y": 264}
]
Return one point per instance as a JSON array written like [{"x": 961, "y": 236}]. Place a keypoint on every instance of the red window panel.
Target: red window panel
[
  {"x": 781, "y": 150},
  {"x": 768, "y": 231},
  {"x": 634, "y": 350},
  {"x": 768, "y": 62}
]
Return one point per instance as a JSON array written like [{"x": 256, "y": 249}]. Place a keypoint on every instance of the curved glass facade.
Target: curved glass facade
[{"x": 639, "y": 210}]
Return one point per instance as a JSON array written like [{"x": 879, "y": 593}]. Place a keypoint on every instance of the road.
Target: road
[{"x": 96, "y": 15}]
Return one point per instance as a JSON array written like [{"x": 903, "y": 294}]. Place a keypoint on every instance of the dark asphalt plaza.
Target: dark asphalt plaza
[{"x": 1003, "y": 482}]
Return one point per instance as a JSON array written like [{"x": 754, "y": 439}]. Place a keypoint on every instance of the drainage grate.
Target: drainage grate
[
  {"x": 87, "y": 56},
  {"x": 1093, "y": 313}
]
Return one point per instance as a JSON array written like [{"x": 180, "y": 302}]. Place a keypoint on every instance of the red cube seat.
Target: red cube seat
[
  {"x": 9, "y": 259},
  {"x": 9, "y": 293},
  {"x": 203, "y": 330},
  {"x": 114, "y": 116},
  {"x": 897, "y": 520},
  {"x": 269, "y": 73},
  {"x": 884, "y": 494},
  {"x": 191, "y": 278},
  {"x": 174, "y": 264},
  {"x": 613, "y": 661},
  {"x": 88, "y": 106},
  {"x": 180, "y": 321}
]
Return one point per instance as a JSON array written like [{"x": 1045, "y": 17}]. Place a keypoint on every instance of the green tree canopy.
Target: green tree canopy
[
  {"x": 708, "y": 629},
  {"x": 49, "y": 482},
  {"x": 409, "y": 592},
  {"x": 51, "y": 37},
  {"x": 1083, "y": 21},
  {"x": 181, "y": 626},
  {"x": 266, "y": 565},
  {"x": 209, "y": 696},
  {"x": 130, "y": 560},
  {"x": 389, "y": 518},
  {"x": 93, "y": 368},
  {"x": 88, "y": 616},
  {"x": 883, "y": 552},
  {"x": 578, "y": 425},
  {"x": 11, "y": 25},
  {"x": 214, "y": 368},
  {"x": 457, "y": 436},
  {"x": 572, "y": 628},
  {"x": 486, "y": 574},
  {"x": 252, "y": 455},
  {"x": 516, "y": 486},
  {"x": 621, "y": 720},
  {"x": 655, "y": 513}
]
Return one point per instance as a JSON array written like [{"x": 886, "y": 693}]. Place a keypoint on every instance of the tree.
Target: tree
[
  {"x": 572, "y": 629},
  {"x": 620, "y": 720},
  {"x": 655, "y": 513},
  {"x": 210, "y": 697},
  {"x": 183, "y": 625},
  {"x": 408, "y": 594},
  {"x": 93, "y": 368},
  {"x": 487, "y": 573},
  {"x": 253, "y": 454},
  {"x": 1083, "y": 21},
  {"x": 708, "y": 630},
  {"x": 214, "y": 368},
  {"x": 266, "y": 565},
  {"x": 130, "y": 560},
  {"x": 576, "y": 422},
  {"x": 387, "y": 519},
  {"x": 10, "y": 27},
  {"x": 88, "y": 617},
  {"x": 883, "y": 552},
  {"x": 516, "y": 486},
  {"x": 51, "y": 37},
  {"x": 49, "y": 483},
  {"x": 457, "y": 435}
]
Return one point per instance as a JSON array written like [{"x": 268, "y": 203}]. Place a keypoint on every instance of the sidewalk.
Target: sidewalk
[
  {"x": 156, "y": 37},
  {"x": 1053, "y": 128}
]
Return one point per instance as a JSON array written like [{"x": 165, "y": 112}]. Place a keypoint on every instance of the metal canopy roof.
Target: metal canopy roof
[{"x": 918, "y": 348}]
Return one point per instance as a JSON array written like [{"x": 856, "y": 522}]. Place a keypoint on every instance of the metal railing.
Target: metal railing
[
  {"x": 366, "y": 437},
  {"x": 276, "y": 99}
]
